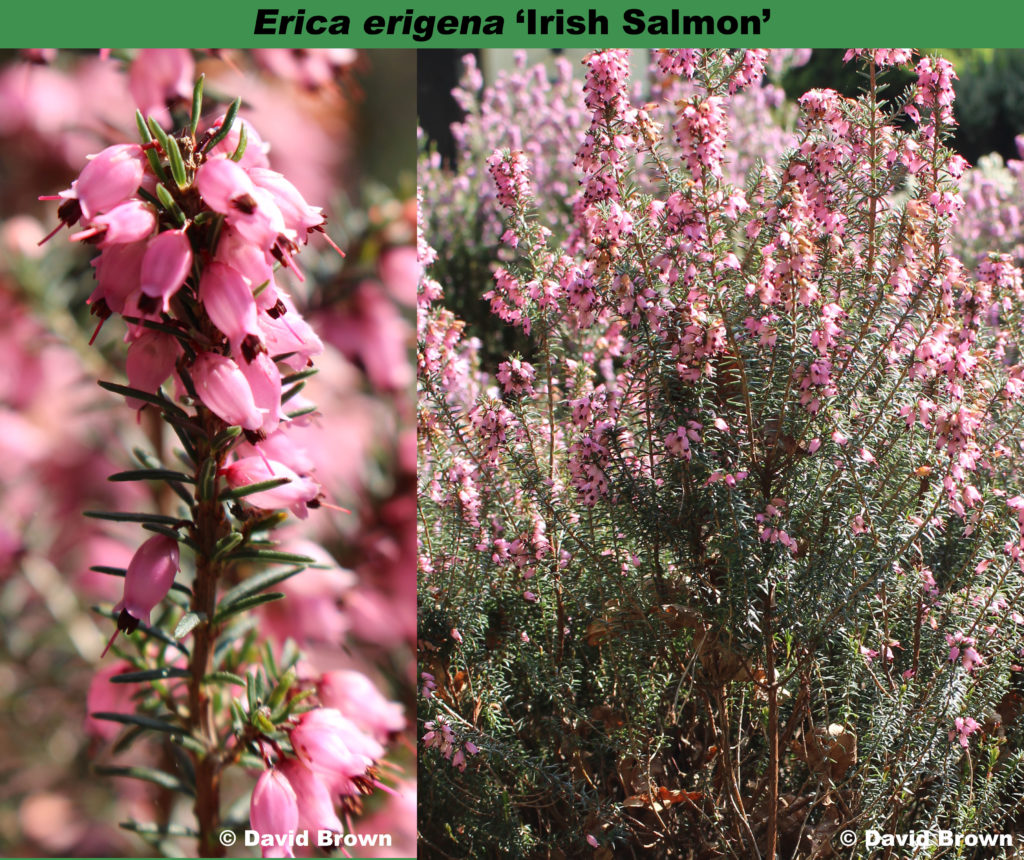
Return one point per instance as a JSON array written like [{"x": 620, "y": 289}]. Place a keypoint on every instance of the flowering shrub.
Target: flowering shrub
[
  {"x": 729, "y": 555},
  {"x": 220, "y": 687}
]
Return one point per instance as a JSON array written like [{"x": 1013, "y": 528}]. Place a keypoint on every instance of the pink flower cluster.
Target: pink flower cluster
[
  {"x": 337, "y": 748},
  {"x": 210, "y": 244}
]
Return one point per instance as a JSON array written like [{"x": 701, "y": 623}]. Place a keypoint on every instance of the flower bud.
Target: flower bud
[
  {"x": 273, "y": 810},
  {"x": 149, "y": 577}
]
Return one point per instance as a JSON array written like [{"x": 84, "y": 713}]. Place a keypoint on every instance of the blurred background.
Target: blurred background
[{"x": 341, "y": 126}]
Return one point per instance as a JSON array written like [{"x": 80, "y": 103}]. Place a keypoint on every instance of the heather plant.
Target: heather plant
[
  {"x": 728, "y": 560},
  {"x": 196, "y": 237},
  {"x": 542, "y": 113}
]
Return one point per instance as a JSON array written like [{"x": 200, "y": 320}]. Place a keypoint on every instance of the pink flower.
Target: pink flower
[
  {"x": 316, "y": 809},
  {"x": 965, "y": 727},
  {"x": 356, "y": 697},
  {"x": 149, "y": 577},
  {"x": 335, "y": 749},
  {"x": 110, "y": 178},
  {"x": 297, "y": 213},
  {"x": 158, "y": 76},
  {"x": 131, "y": 221},
  {"x": 252, "y": 211},
  {"x": 224, "y": 390},
  {"x": 151, "y": 359},
  {"x": 274, "y": 811},
  {"x": 265, "y": 382},
  {"x": 165, "y": 266},
  {"x": 295, "y": 495},
  {"x": 231, "y": 307}
]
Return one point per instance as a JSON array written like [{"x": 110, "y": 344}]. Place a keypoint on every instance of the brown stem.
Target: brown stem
[
  {"x": 210, "y": 525},
  {"x": 773, "y": 727}
]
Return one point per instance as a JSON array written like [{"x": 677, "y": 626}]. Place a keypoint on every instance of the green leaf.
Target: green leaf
[
  {"x": 151, "y": 153},
  {"x": 170, "y": 204},
  {"x": 244, "y": 604},
  {"x": 309, "y": 410},
  {"x": 177, "y": 164},
  {"x": 263, "y": 723},
  {"x": 222, "y": 677},
  {"x": 126, "y": 391},
  {"x": 189, "y": 621},
  {"x": 256, "y": 582},
  {"x": 225, "y": 436},
  {"x": 197, "y": 105},
  {"x": 270, "y": 556},
  {"x": 161, "y": 674},
  {"x": 158, "y": 133},
  {"x": 285, "y": 683},
  {"x": 171, "y": 533},
  {"x": 189, "y": 743},
  {"x": 152, "y": 475},
  {"x": 147, "y": 774},
  {"x": 122, "y": 517},
  {"x": 249, "y": 489},
  {"x": 243, "y": 142},
  {"x": 227, "y": 543},
  {"x": 208, "y": 480},
  {"x": 225, "y": 128},
  {"x": 140, "y": 720},
  {"x": 299, "y": 376},
  {"x": 291, "y": 392}
]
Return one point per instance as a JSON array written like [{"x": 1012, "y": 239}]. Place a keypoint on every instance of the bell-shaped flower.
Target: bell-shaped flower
[
  {"x": 150, "y": 361},
  {"x": 165, "y": 266},
  {"x": 117, "y": 275},
  {"x": 274, "y": 811},
  {"x": 265, "y": 381},
  {"x": 131, "y": 221},
  {"x": 225, "y": 186},
  {"x": 297, "y": 213},
  {"x": 229, "y": 303},
  {"x": 252, "y": 263},
  {"x": 149, "y": 577},
  {"x": 335, "y": 748},
  {"x": 295, "y": 495},
  {"x": 110, "y": 178},
  {"x": 281, "y": 447},
  {"x": 316, "y": 808},
  {"x": 290, "y": 334},
  {"x": 356, "y": 697},
  {"x": 224, "y": 390}
]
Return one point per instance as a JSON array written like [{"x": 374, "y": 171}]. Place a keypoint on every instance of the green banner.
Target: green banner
[{"x": 458, "y": 23}]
